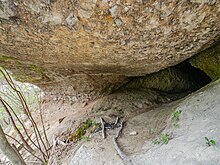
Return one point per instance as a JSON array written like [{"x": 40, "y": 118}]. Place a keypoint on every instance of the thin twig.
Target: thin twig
[
  {"x": 20, "y": 96},
  {"x": 116, "y": 121},
  {"x": 16, "y": 150},
  {"x": 26, "y": 110},
  {"x": 124, "y": 158},
  {"x": 22, "y": 101},
  {"x": 52, "y": 151},
  {"x": 24, "y": 147},
  {"x": 42, "y": 121},
  {"x": 14, "y": 125},
  {"x": 35, "y": 125},
  {"x": 103, "y": 128},
  {"x": 24, "y": 128},
  {"x": 120, "y": 129}
]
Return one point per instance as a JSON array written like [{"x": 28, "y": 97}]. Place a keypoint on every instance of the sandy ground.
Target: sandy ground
[
  {"x": 149, "y": 117},
  {"x": 186, "y": 146}
]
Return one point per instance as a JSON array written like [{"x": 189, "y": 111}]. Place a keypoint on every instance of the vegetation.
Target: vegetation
[
  {"x": 87, "y": 126},
  {"x": 176, "y": 118},
  {"x": 156, "y": 141},
  {"x": 164, "y": 138},
  {"x": 9, "y": 151},
  {"x": 210, "y": 142},
  {"x": 208, "y": 61},
  {"x": 28, "y": 140}
]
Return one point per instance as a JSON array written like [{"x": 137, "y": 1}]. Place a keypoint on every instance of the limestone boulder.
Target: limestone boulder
[{"x": 45, "y": 39}]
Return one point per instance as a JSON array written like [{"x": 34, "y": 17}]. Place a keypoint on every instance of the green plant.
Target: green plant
[
  {"x": 86, "y": 138},
  {"x": 156, "y": 141},
  {"x": 152, "y": 130},
  {"x": 165, "y": 138},
  {"x": 85, "y": 127},
  {"x": 210, "y": 142},
  {"x": 176, "y": 118}
]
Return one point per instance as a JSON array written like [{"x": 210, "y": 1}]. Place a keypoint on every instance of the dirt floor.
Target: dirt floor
[
  {"x": 150, "y": 134},
  {"x": 146, "y": 131}
]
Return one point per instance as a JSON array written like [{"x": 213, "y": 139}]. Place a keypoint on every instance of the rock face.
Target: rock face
[
  {"x": 208, "y": 61},
  {"x": 46, "y": 42},
  {"x": 199, "y": 119},
  {"x": 180, "y": 78},
  {"x": 129, "y": 38}
]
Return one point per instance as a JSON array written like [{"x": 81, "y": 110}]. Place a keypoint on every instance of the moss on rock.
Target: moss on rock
[
  {"x": 208, "y": 61},
  {"x": 170, "y": 79}
]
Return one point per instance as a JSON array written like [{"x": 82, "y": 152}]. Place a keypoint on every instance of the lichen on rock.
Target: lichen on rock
[
  {"x": 170, "y": 79},
  {"x": 208, "y": 61}
]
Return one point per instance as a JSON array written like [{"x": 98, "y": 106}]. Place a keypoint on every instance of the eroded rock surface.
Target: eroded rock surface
[
  {"x": 208, "y": 61},
  {"x": 119, "y": 37},
  {"x": 199, "y": 118}
]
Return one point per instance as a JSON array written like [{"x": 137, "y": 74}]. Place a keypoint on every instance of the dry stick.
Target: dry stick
[
  {"x": 26, "y": 108},
  {"x": 116, "y": 121},
  {"x": 124, "y": 158},
  {"x": 34, "y": 124},
  {"x": 16, "y": 150},
  {"x": 103, "y": 128},
  {"x": 35, "y": 132},
  {"x": 52, "y": 151},
  {"x": 15, "y": 127},
  {"x": 42, "y": 121},
  {"x": 25, "y": 130},
  {"x": 9, "y": 151},
  {"x": 24, "y": 147}
]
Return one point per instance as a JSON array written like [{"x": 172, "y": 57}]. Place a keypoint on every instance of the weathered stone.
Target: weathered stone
[
  {"x": 125, "y": 102},
  {"x": 171, "y": 79},
  {"x": 208, "y": 61},
  {"x": 7, "y": 9},
  {"x": 114, "y": 11},
  {"x": 139, "y": 38},
  {"x": 71, "y": 20}
]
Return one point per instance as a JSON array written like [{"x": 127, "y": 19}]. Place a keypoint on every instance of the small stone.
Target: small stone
[
  {"x": 84, "y": 104},
  {"x": 114, "y": 11},
  {"x": 71, "y": 20},
  {"x": 123, "y": 42},
  {"x": 133, "y": 133},
  {"x": 118, "y": 22},
  {"x": 126, "y": 9}
]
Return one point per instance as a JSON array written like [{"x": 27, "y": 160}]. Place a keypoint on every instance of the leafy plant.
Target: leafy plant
[
  {"x": 152, "y": 130},
  {"x": 210, "y": 142},
  {"x": 164, "y": 138},
  {"x": 86, "y": 138},
  {"x": 156, "y": 141},
  {"x": 176, "y": 118},
  {"x": 87, "y": 126}
]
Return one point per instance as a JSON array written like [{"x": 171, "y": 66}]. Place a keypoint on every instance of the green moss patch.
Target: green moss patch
[
  {"x": 170, "y": 79},
  {"x": 85, "y": 127},
  {"x": 7, "y": 58},
  {"x": 208, "y": 61}
]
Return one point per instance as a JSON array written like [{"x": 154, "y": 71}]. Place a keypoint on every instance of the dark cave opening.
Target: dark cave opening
[
  {"x": 180, "y": 78},
  {"x": 198, "y": 77}
]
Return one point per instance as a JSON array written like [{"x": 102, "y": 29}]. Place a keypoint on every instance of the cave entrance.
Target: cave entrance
[
  {"x": 198, "y": 77},
  {"x": 176, "y": 79}
]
